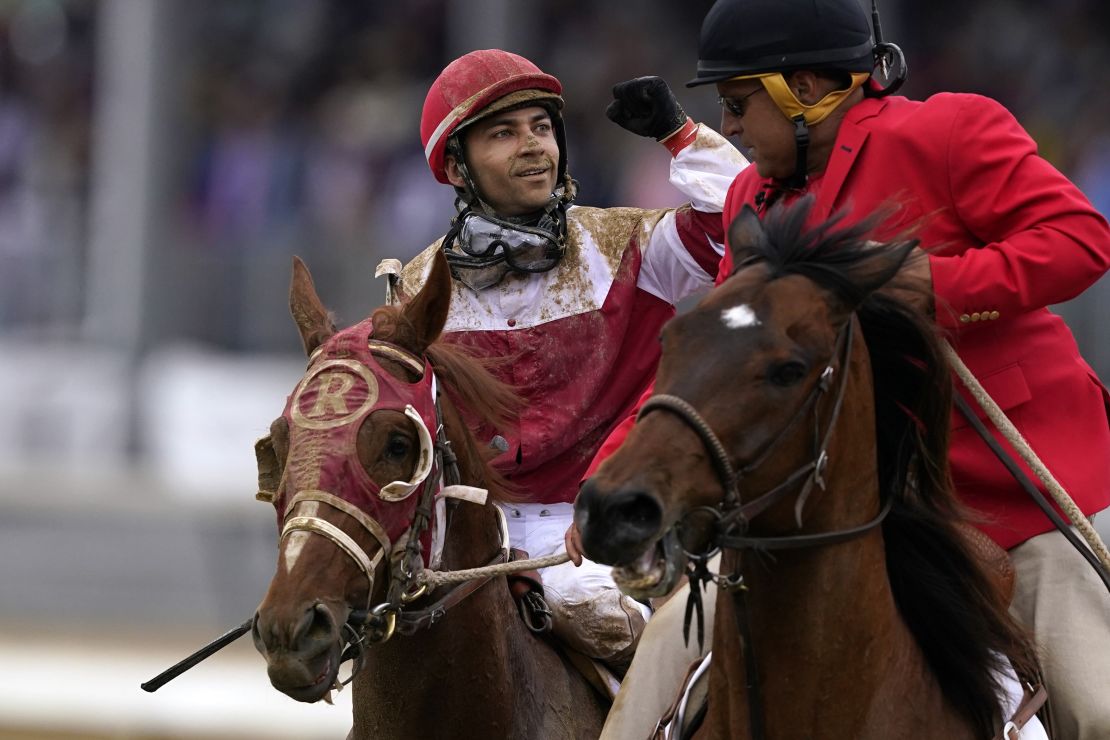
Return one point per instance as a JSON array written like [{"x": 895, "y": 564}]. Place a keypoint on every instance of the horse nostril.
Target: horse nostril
[
  {"x": 322, "y": 625},
  {"x": 586, "y": 505},
  {"x": 256, "y": 633},
  {"x": 316, "y": 625},
  {"x": 636, "y": 515},
  {"x": 616, "y": 527},
  {"x": 313, "y": 627}
]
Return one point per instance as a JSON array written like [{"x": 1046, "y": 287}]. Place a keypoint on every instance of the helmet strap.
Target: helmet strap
[
  {"x": 802, "y": 115},
  {"x": 469, "y": 193},
  {"x": 797, "y": 181}
]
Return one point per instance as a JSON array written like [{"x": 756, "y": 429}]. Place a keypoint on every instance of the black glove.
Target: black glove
[{"x": 646, "y": 106}]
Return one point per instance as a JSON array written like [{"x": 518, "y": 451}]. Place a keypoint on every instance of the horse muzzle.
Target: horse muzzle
[
  {"x": 302, "y": 651},
  {"x": 625, "y": 529}
]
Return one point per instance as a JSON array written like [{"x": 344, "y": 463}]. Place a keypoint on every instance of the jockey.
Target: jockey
[
  {"x": 572, "y": 297},
  {"x": 1006, "y": 236}
]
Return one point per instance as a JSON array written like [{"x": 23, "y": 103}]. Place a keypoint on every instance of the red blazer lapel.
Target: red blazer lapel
[{"x": 850, "y": 140}]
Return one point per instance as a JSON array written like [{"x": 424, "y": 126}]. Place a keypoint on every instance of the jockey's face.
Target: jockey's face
[
  {"x": 513, "y": 158},
  {"x": 763, "y": 131}
]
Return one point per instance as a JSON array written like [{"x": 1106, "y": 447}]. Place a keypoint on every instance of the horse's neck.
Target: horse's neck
[
  {"x": 825, "y": 630},
  {"x": 824, "y": 633},
  {"x": 835, "y": 658}
]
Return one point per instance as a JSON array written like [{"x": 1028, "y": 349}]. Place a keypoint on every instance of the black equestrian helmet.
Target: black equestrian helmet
[{"x": 741, "y": 37}]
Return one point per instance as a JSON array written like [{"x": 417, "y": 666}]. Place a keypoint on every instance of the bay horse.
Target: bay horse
[
  {"x": 800, "y": 424},
  {"x": 367, "y": 413}
]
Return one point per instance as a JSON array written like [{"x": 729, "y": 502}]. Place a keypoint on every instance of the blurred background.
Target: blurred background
[{"x": 160, "y": 163}]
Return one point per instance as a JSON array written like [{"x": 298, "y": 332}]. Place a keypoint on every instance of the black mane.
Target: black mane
[{"x": 950, "y": 605}]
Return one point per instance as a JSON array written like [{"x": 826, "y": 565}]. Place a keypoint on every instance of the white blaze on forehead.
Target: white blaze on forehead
[
  {"x": 295, "y": 541},
  {"x": 740, "y": 316}
]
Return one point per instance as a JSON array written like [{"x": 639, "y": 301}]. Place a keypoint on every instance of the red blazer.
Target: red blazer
[{"x": 1008, "y": 235}]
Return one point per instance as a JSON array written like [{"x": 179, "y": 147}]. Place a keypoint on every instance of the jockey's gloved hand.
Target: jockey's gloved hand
[{"x": 646, "y": 106}]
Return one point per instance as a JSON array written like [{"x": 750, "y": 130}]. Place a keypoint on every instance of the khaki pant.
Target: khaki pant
[
  {"x": 1058, "y": 595},
  {"x": 660, "y": 664}
]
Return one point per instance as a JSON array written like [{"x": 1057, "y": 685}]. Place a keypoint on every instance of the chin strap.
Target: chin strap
[{"x": 797, "y": 181}]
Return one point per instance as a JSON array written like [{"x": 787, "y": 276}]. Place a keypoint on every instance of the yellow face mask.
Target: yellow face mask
[{"x": 788, "y": 103}]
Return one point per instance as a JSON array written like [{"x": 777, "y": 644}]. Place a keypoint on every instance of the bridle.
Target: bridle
[
  {"x": 733, "y": 516},
  {"x": 378, "y": 623}
]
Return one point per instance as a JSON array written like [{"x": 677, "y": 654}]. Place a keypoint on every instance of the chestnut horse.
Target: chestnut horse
[
  {"x": 364, "y": 415},
  {"x": 800, "y": 424}
]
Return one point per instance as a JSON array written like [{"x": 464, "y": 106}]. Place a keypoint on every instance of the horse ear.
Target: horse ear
[
  {"x": 427, "y": 311},
  {"x": 745, "y": 234},
  {"x": 313, "y": 321}
]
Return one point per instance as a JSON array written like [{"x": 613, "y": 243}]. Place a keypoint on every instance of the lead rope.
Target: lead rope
[
  {"x": 1014, "y": 437},
  {"x": 433, "y": 579},
  {"x": 436, "y": 578}
]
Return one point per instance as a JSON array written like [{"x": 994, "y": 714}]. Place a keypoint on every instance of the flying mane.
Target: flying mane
[{"x": 950, "y": 605}]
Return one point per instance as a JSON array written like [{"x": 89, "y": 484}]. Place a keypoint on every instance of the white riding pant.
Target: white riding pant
[{"x": 589, "y": 612}]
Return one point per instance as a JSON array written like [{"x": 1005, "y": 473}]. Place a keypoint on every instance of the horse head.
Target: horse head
[
  {"x": 346, "y": 466},
  {"x": 749, "y": 388}
]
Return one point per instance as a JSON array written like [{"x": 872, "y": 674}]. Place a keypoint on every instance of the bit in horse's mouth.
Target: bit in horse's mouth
[
  {"x": 645, "y": 573},
  {"x": 656, "y": 571},
  {"x": 315, "y": 691}
]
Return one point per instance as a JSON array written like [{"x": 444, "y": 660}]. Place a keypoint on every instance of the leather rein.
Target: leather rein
[
  {"x": 734, "y": 516},
  {"x": 377, "y": 624}
]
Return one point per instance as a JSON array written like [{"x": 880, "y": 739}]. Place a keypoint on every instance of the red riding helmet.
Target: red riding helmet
[{"x": 468, "y": 88}]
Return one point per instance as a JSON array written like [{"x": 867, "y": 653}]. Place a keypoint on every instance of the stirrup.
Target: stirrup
[{"x": 535, "y": 612}]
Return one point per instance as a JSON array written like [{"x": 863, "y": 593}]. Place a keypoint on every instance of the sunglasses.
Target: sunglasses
[{"x": 737, "y": 106}]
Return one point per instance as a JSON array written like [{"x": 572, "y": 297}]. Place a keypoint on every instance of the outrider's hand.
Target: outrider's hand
[
  {"x": 574, "y": 544},
  {"x": 646, "y": 106}
]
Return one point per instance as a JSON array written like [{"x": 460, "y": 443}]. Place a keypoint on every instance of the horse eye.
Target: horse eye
[
  {"x": 398, "y": 446},
  {"x": 787, "y": 373}
]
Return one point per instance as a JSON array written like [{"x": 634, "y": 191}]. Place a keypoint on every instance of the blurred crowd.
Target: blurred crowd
[
  {"x": 296, "y": 130},
  {"x": 1044, "y": 61},
  {"x": 45, "y": 95}
]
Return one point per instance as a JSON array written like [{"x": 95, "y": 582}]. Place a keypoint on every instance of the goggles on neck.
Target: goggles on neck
[{"x": 481, "y": 248}]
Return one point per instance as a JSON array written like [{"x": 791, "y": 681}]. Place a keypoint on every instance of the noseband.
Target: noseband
[{"x": 734, "y": 516}]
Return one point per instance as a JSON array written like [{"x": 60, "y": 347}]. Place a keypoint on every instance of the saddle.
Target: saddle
[
  {"x": 685, "y": 714},
  {"x": 995, "y": 560}
]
